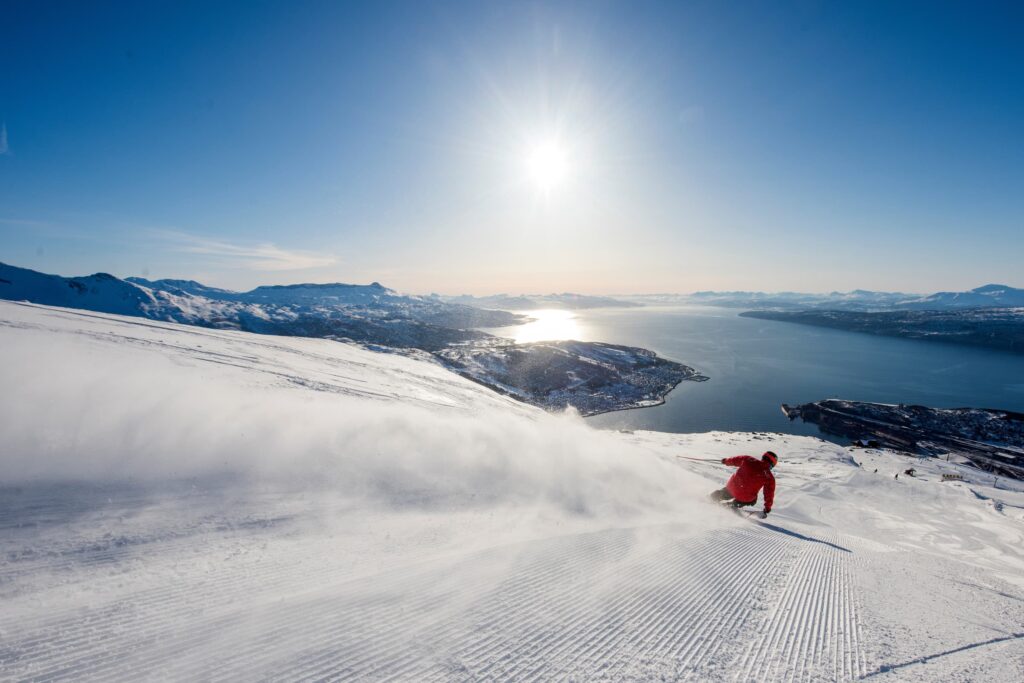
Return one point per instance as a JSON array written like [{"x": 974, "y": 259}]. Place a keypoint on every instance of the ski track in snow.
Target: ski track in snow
[
  {"x": 645, "y": 603},
  {"x": 813, "y": 625}
]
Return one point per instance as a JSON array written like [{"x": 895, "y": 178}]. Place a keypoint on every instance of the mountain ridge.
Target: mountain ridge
[{"x": 985, "y": 296}]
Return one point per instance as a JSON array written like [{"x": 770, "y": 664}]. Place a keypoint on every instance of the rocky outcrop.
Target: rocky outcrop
[{"x": 992, "y": 440}]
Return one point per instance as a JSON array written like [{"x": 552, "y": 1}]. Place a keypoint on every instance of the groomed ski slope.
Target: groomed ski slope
[{"x": 181, "y": 503}]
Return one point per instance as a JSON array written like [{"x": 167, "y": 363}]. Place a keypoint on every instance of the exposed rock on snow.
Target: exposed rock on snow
[{"x": 991, "y": 439}]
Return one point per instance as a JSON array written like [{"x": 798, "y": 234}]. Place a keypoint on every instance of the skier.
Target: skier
[{"x": 742, "y": 487}]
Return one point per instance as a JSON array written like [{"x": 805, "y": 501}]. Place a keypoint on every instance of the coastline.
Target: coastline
[{"x": 592, "y": 377}]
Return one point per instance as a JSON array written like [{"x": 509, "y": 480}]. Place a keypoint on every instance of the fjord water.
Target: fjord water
[{"x": 756, "y": 365}]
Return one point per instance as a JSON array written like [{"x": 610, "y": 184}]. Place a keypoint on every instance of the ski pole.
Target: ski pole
[{"x": 683, "y": 457}]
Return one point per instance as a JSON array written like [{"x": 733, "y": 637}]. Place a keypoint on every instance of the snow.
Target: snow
[
  {"x": 182, "y": 503},
  {"x": 304, "y": 310},
  {"x": 537, "y": 373}
]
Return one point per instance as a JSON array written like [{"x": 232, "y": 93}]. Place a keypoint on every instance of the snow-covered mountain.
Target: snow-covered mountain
[
  {"x": 99, "y": 292},
  {"x": 186, "y": 287},
  {"x": 307, "y": 294},
  {"x": 987, "y": 296},
  {"x": 371, "y": 313},
  {"x": 190, "y": 301},
  {"x": 857, "y": 299},
  {"x": 187, "y": 503}
]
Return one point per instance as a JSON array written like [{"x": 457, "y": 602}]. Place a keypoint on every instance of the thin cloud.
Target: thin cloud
[
  {"x": 4, "y": 147},
  {"x": 264, "y": 256}
]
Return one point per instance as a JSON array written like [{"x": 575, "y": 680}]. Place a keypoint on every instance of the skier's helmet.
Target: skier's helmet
[{"x": 770, "y": 458}]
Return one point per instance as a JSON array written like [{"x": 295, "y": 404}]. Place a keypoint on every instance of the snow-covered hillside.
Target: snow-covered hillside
[
  {"x": 589, "y": 376},
  {"x": 363, "y": 312},
  {"x": 183, "y": 503}
]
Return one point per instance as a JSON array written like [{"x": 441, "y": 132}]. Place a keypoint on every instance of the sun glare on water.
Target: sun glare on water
[
  {"x": 547, "y": 164},
  {"x": 548, "y": 325}
]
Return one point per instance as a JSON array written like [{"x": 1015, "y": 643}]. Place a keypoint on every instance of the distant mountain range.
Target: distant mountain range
[
  {"x": 987, "y": 296},
  {"x": 991, "y": 316},
  {"x": 532, "y": 302},
  {"x": 366, "y": 313},
  {"x": 990, "y": 327},
  {"x": 194, "y": 302}
]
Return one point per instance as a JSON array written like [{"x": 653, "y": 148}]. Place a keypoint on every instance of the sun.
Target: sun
[{"x": 547, "y": 164}]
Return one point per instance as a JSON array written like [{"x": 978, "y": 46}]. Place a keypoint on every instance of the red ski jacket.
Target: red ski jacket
[{"x": 749, "y": 478}]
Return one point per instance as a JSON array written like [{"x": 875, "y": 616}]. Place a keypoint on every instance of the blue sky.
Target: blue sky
[{"x": 744, "y": 145}]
